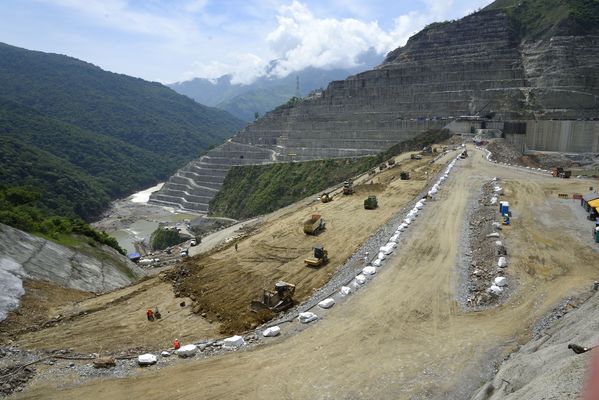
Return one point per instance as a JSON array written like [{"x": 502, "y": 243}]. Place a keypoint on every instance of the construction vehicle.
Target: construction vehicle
[
  {"x": 325, "y": 198},
  {"x": 371, "y": 203},
  {"x": 464, "y": 154},
  {"x": 415, "y": 157},
  {"x": 427, "y": 151},
  {"x": 348, "y": 187},
  {"x": 278, "y": 300},
  {"x": 391, "y": 162},
  {"x": 382, "y": 166},
  {"x": 404, "y": 175},
  {"x": 320, "y": 257},
  {"x": 314, "y": 225},
  {"x": 559, "y": 172}
]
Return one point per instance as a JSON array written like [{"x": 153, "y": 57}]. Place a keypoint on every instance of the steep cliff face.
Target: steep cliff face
[
  {"x": 87, "y": 268},
  {"x": 518, "y": 60}
]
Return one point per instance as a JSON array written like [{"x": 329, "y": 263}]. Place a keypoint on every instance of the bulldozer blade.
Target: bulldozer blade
[{"x": 257, "y": 306}]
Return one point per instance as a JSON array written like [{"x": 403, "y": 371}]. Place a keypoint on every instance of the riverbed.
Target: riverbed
[{"x": 132, "y": 219}]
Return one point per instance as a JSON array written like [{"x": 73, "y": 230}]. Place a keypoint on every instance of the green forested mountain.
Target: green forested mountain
[{"x": 81, "y": 136}]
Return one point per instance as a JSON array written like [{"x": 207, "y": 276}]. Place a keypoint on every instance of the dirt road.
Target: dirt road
[{"x": 402, "y": 337}]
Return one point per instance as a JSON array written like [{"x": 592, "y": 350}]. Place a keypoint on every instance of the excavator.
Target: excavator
[
  {"x": 321, "y": 257},
  {"x": 325, "y": 198},
  {"x": 278, "y": 300}
]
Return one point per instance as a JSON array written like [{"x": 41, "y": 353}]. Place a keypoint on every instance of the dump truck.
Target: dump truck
[
  {"x": 391, "y": 162},
  {"x": 314, "y": 224},
  {"x": 348, "y": 187},
  {"x": 415, "y": 157},
  {"x": 320, "y": 257},
  {"x": 325, "y": 198},
  {"x": 278, "y": 300},
  {"x": 371, "y": 203},
  {"x": 404, "y": 175}
]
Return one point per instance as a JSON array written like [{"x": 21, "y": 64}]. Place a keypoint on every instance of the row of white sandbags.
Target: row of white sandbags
[{"x": 384, "y": 251}]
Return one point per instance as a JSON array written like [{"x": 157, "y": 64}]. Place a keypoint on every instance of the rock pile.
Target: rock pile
[{"x": 488, "y": 259}]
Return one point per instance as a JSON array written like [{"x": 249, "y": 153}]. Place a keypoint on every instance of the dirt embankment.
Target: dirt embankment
[{"x": 222, "y": 285}]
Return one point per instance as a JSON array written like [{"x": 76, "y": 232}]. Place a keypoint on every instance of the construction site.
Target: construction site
[{"x": 420, "y": 295}]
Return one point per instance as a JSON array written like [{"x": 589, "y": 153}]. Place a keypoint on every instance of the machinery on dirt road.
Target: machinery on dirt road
[
  {"x": 464, "y": 154},
  {"x": 348, "y": 187},
  {"x": 559, "y": 172},
  {"x": 325, "y": 198},
  {"x": 404, "y": 176},
  {"x": 278, "y": 300},
  {"x": 320, "y": 257},
  {"x": 314, "y": 224},
  {"x": 415, "y": 157},
  {"x": 371, "y": 203}
]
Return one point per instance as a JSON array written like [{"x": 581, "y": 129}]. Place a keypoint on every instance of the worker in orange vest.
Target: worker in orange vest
[
  {"x": 177, "y": 344},
  {"x": 150, "y": 314}
]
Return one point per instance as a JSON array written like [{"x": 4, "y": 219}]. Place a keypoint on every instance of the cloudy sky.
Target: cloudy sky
[{"x": 174, "y": 40}]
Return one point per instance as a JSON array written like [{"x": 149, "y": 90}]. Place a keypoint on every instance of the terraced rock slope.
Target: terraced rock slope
[{"x": 485, "y": 61}]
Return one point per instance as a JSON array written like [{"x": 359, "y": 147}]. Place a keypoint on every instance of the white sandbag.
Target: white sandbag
[
  {"x": 502, "y": 262},
  {"x": 500, "y": 281},
  {"x": 328, "y": 303},
  {"x": 391, "y": 246},
  {"x": 497, "y": 189},
  {"x": 147, "y": 359},
  {"x": 369, "y": 270},
  {"x": 381, "y": 256},
  {"x": 493, "y": 200},
  {"x": 165, "y": 354},
  {"x": 186, "y": 351},
  {"x": 402, "y": 227},
  {"x": 407, "y": 221},
  {"x": 306, "y": 317},
  {"x": 495, "y": 289},
  {"x": 272, "y": 331},
  {"x": 495, "y": 178},
  {"x": 496, "y": 224},
  {"x": 419, "y": 206},
  {"x": 432, "y": 192},
  {"x": 394, "y": 238},
  {"x": 234, "y": 341},
  {"x": 361, "y": 279},
  {"x": 498, "y": 243},
  {"x": 493, "y": 235},
  {"x": 377, "y": 262},
  {"x": 345, "y": 290}
]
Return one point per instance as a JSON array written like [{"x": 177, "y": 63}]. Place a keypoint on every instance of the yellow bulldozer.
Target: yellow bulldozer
[
  {"x": 320, "y": 257},
  {"x": 278, "y": 300},
  {"x": 325, "y": 198}
]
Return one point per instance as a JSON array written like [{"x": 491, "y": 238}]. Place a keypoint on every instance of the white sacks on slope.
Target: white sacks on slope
[
  {"x": 147, "y": 359},
  {"x": 306, "y": 317},
  {"x": 495, "y": 289},
  {"x": 500, "y": 281},
  {"x": 502, "y": 262},
  {"x": 326, "y": 303},
  {"x": 369, "y": 270},
  {"x": 233, "y": 342},
  {"x": 272, "y": 331},
  {"x": 377, "y": 262},
  {"x": 345, "y": 290},
  {"x": 361, "y": 279},
  {"x": 394, "y": 238},
  {"x": 187, "y": 350}
]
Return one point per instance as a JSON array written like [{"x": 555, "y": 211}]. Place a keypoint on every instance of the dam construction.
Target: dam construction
[
  {"x": 427, "y": 229},
  {"x": 478, "y": 72}
]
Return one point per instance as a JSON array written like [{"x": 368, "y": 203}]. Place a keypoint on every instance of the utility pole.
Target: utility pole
[{"x": 297, "y": 89}]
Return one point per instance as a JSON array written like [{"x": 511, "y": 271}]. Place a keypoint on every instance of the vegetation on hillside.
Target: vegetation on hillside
[
  {"x": 537, "y": 19},
  {"x": 259, "y": 189},
  {"x": 77, "y": 137},
  {"x": 19, "y": 207},
  {"x": 162, "y": 238}
]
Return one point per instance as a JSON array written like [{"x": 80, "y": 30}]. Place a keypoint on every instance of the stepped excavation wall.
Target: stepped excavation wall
[{"x": 472, "y": 66}]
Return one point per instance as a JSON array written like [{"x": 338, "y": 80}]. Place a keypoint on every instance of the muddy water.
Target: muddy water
[{"x": 132, "y": 219}]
